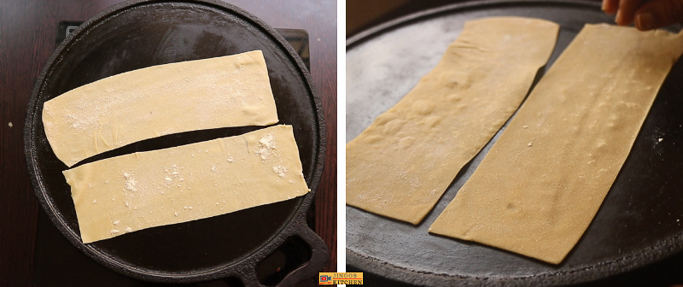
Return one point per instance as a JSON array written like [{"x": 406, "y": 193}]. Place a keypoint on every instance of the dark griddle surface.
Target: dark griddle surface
[{"x": 640, "y": 221}]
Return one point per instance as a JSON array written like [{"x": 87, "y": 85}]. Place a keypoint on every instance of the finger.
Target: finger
[
  {"x": 659, "y": 13},
  {"x": 610, "y": 6},
  {"x": 627, "y": 11}
]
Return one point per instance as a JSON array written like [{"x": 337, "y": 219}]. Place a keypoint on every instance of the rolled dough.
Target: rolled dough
[
  {"x": 541, "y": 184},
  {"x": 132, "y": 192},
  {"x": 400, "y": 166},
  {"x": 219, "y": 92}
]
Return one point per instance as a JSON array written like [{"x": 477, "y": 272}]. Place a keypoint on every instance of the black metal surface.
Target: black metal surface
[
  {"x": 138, "y": 34},
  {"x": 638, "y": 223},
  {"x": 57, "y": 263},
  {"x": 297, "y": 38}
]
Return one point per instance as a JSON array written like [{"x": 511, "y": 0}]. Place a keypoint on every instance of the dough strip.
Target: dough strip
[
  {"x": 543, "y": 181},
  {"x": 401, "y": 164},
  {"x": 127, "y": 193},
  {"x": 227, "y": 91}
]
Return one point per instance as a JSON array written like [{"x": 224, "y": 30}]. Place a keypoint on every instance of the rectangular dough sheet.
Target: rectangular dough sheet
[
  {"x": 219, "y": 92},
  {"x": 401, "y": 165},
  {"x": 541, "y": 184},
  {"x": 161, "y": 187}
]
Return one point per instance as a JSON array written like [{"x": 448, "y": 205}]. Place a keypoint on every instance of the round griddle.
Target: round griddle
[
  {"x": 640, "y": 221},
  {"x": 138, "y": 34}
]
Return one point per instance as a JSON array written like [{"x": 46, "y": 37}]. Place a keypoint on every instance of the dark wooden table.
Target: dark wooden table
[{"x": 27, "y": 38}]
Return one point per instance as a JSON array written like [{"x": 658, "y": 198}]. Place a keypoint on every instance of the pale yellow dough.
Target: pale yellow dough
[
  {"x": 400, "y": 166},
  {"x": 541, "y": 184},
  {"x": 147, "y": 189},
  {"x": 219, "y": 92}
]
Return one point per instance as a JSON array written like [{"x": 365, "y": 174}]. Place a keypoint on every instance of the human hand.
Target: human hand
[{"x": 645, "y": 14}]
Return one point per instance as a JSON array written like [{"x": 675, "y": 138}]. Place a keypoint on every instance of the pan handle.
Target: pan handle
[{"x": 319, "y": 258}]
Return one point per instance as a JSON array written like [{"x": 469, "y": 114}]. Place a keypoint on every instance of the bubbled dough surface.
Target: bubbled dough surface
[
  {"x": 541, "y": 184},
  {"x": 147, "y": 189},
  {"x": 401, "y": 164},
  {"x": 112, "y": 112}
]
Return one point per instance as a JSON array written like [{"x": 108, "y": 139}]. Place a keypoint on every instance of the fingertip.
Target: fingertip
[
  {"x": 618, "y": 18},
  {"x": 610, "y": 6},
  {"x": 659, "y": 13},
  {"x": 627, "y": 11},
  {"x": 645, "y": 21}
]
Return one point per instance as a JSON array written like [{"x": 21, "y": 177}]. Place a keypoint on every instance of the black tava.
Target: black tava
[{"x": 138, "y": 34}]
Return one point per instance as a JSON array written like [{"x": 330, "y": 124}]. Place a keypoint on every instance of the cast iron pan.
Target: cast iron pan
[
  {"x": 138, "y": 34},
  {"x": 638, "y": 223}
]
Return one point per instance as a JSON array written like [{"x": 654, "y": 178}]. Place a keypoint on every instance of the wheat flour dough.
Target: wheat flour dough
[
  {"x": 541, "y": 184},
  {"x": 400, "y": 166},
  {"x": 219, "y": 92},
  {"x": 132, "y": 192}
]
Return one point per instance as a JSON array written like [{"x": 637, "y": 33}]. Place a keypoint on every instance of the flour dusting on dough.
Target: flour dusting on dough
[
  {"x": 280, "y": 170},
  {"x": 172, "y": 173},
  {"x": 267, "y": 145},
  {"x": 130, "y": 182}
]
